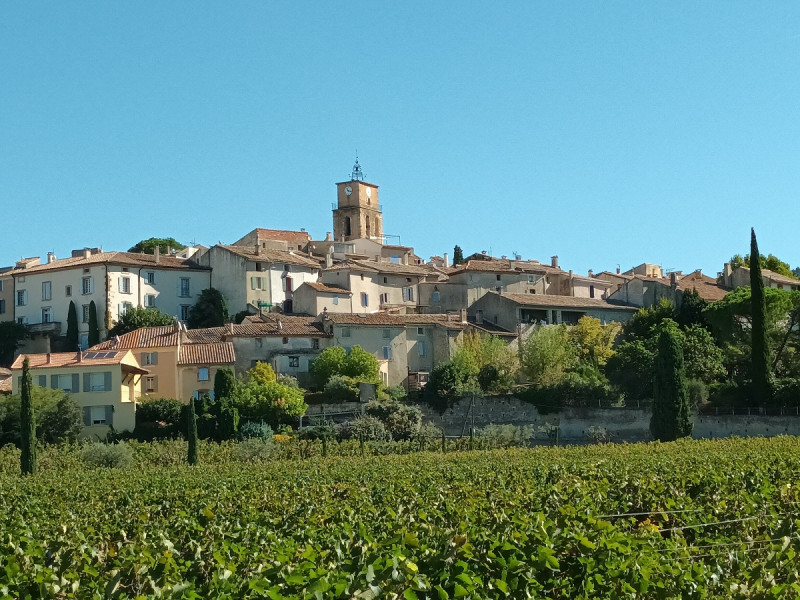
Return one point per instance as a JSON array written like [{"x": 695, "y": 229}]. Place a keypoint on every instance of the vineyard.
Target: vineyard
[{"x": 684, "y": 520}]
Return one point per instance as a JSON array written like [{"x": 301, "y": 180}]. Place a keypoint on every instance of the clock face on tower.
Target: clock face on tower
[{"x": 348, "y": 190}]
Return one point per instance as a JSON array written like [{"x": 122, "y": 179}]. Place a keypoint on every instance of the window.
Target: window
[
  {"x": 98, "y": 415},
  {"x": 259, "y": 266},
  {"x": 85, "y": 313},
  {"x": 420, "y": 331},
  {"x": 286, "y": 340},
  {"x": 68, "y": 290},
  {"x": 84, "y": 341},
  {"x": 150, "y": 300},
  {"x": 259, "y": 343},
  {"x": 67, "y": 383},
  {"x": 124, "y": 307},
  {"x": 421, "y": 348},
  {"x": 2, "y": 306},
  {"x": 294, "y": 362},
  {"x": 87, "y": 286},
  {"x": 384, "y": 298},
  {"x": 22, "y": 297},
  {"x": 257, "y": 283},
  {"x": 387, "y": 334},
  {"x": 97, "y": 382},
  {"x": 387, "y": 352},
  {"x": 185, "y": 287},
  {"x": 47, "y": 290},
  {"x": 408, "y": 294},
  {"x": 150, "y": 384},
  {"x": 498, "y": 277},
  {"x": 202, "y": 374},
  {"x": 335, "y": 300},
  {"x": 530, "y": 278},
  {"x": 286, "y": 268},
  {"x": 315, "y": 343},
  {"x": 184, "y": 312},
  {"x": 22, "y": 320},
  {"x": 47, "y": 314},
  {"x": 149, "y": 358},
  {"x": 591, "y": 291},
  {"x": 384, "y": 280},
  {"x": 345, "y": 332},
  {"x": 364, "y": 299},
  {"x": 287, "y": 284},
  {"x": 150, "y": 277},
  {"x": 125, "y": 285},
  {"x": 395, "y": 259},
  {"x": 436, "y": 296},
  {"x": 1, "y": 285}
]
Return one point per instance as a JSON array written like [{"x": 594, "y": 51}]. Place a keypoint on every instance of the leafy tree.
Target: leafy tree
[
  {"x": 58, "y": 417},
  {"x": 11, "y": 336},
  {"x": 642, "y": 322},
  {"x": 458, "y": 255},
  {"x": 704, "y": 360},
  {"x": 360, "y": 364},
  {"x": 593, "y": 341},
  {"x": 210, "y": 310},
  {"x": 490, "y": 355},
  {"x": 771, "y": 262},
  {"x": 136, "y": 318},
  {"x": 630, "y": 368},
  {"x": 327, "y": 364},
  {"x": 27, "y": 423},
  {"x": 149, "y": 245},
  {"x": 94, "y": 328},
  {"x": 690, "y": 311},
  {"x": 262, "y": 373},
  {"x": 760, "y": 349},
  {"x": 274, "y": 403},
  {"x": 670, "y": 419},
  {"x": 227, "y": 415},
  {"x": 450, "y": 381},
  {"x": 72, "y": 340},
  {"x": 191, "y": 434},
  {"x": 547, "y": 355},
  {"x": 225, "y": 382}
]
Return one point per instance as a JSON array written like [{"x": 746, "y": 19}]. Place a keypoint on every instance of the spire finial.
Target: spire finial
[{"x": 357, "y": 174}]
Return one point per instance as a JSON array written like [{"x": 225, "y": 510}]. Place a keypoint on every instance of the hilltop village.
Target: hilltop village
[{"x": 290, "y": 297}]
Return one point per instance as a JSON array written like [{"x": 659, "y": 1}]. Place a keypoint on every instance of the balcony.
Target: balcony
[{"x": 49, "y": 328}]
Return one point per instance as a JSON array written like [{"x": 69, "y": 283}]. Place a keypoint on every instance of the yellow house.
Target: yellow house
[
  {"x": 181, "y": 362},
  {"x": 104, "y": 384}
]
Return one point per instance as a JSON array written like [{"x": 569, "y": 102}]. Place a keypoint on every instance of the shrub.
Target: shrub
[
  {"x": 327, "y": 364},
  {"x": 272, "y": 402},
  {"x": 448, "y": 382},
  {"x": 786, "y": 393},
  {"x": 255, "y": 430},
  {"x": 159, "y": 410},
  {"x": 429, "y": 431},
  {"x": 401, "y": 420},
  {"x": 365, "y": 427},
  {"x": 598, "y": 434},
  {"x": 341, "y": 389},
  {"x": 698, "y": 392},
  {"x": 488, "y": 377},
  {"x": 261, "y": 373},
  {"x": 508, "y": 435},
  {"x": 113, "y": 456},
  {"x": 728, "y": 395},
  {"x": 321, "y": 429},
  {"x": 253, "y": 450},
  {"x": 396, "y": 392}
]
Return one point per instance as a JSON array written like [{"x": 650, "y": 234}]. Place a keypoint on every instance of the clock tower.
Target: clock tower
[{"x": 358, "y": 213}]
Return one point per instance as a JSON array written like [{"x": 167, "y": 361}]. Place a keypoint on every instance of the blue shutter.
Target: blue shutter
[
  {"x": 107, "y": 381},
  {"x": 87, "y": 382},
  {"x": 54, "y": 382},
  {"x": 154, "y": 358},
  {"x": 109, "y": 413},
  {"x": 42, "y": 380},
  {"x": 76, "y": 383},
  {"x": 87, "y": 415}
]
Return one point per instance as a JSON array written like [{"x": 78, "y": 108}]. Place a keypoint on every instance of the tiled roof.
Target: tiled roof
[
  {"x": 129, "y": 259},
  {"x": 67, "y": 359},
  {"x": 270, "y": 255},
  {"x": 562, "y": 301},
  {"x": 776, "y": 277},
  {"x": 489, "y": 327},
  {"x": 5, "y": 372},
  {"x": 504, "y": 266},
  {"x": 450, "y": 321},
  {"x": 218, "y": 353},
  {"x": 327, "y": 289},
  {"x": 161, "y": 337},
  {"x": 282, "y": 235},
  {"x": 204, "y": 335},
  {"x": 378, "y": 267},
  {"x": 610, "y": 274},
  {"x": 279, "y": 326},
  {"x": 6, "y": 384},
  {"x": 385, "y": 319},
  {"x": 707, "y": 287}
]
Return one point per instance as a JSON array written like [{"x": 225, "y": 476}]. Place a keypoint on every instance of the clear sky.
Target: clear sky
[{"x": 604, "y": 132}]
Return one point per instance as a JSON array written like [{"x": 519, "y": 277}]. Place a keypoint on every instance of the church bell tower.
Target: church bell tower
[{"x": 358, "y": 213}]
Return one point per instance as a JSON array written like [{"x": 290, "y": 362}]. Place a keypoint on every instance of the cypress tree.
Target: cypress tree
[
  {"x": 760, "y": 350},
  {"x": 72, "y": 328},
  {"x": 94, "y": 329},
  {"x": 458, "y": 255},
  {"x": 226, "y": 414},
  {"x": 670, "y": 419},
  {"x": 27, "y": 423},
  {"x": 191, "y": 433}
]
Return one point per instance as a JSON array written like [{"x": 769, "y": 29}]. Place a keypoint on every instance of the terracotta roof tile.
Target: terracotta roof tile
[
  {"x": 218, "y": 353},
  {"x": 504, "y": 266},
  {"x": 271, "y": 255},
  {"x": 565, "y": 301},
  {"x": 283, "y": 235},
  {"x": 65, "y": 359},
  {"x": 327, "y": 289},
  {"x": 130, "y": 259},
  {"x": 161, "y": 337},
  {"x": 6, "y": 385},
  {"x": 707, "y": 287},
  {"x": 395, "y": 320},
  {"x": 279, "y": 326},
  {"x": 378, "y": 267}
]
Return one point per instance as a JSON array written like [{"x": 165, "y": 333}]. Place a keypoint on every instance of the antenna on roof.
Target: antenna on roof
[{"x": 357, "y": 174}]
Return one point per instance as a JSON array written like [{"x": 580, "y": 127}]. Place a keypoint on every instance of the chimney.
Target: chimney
[
  {"x": 258, "y": 249},
  {"x": 50, "y": 257},
  {"x": 169, "y": 251},
  {"x": 463, "y": 314},
  {"x": 405, "y": 258},
  {"x": 618, "y": 269},
  {"x": 86, "y": 253},
  {"x": 328, "y": 237},
  {"x": 48, "y": 358},
  {"x": 554, "y": 261},
  {"x": 446, "y": 259},
  {"x": 80, "y": 355},
  {"x": 329, "y": 258},
  {"x": 591, "y": 273},
  {"x": 673, "y": 280},
  {"x": 157, "y": 253}
]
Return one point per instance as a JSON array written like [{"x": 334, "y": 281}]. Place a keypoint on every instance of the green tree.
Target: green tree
[
  {"x": 640, "y": 326},
  {"x": 94, "y": 328},
  {"x": 327, "y": 364},
  {"x": 226, "y": 414},
  {"x": 593, "y": 341},
  {"x": 360, "y": 364},
  {"x": 58, "y": 417},
  {"x": 72, "y": 339},
  {"x": 149, "y": 245},
  {"x": 630, "y": 369},
  {"x": 670, "y": 419},
  {"x": 690, "y": 311},
  {"x": 136, "y": 318},
  {"x": 458, "y": 255},
  {"x": 12, "y": 335},
  {"x": 771, "y": 262},
  {"x": 261, "y": 373},
  {"x": 547, "y": 355},
  {"x": 210, "y": 310},
  {"x": 760, "y": 349},
  {"x": 274, "y": 403},
  {"x": 27, "y": 423},
  {"x": 191, "y": 433}
]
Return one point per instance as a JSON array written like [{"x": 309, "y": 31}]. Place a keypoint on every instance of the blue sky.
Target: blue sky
[{"x": 604, "y": 132}]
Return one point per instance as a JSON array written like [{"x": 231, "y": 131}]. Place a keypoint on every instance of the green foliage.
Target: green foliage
[
  {"x": 641, "y": 324},
  {"x": 508, "y": 435},
  {"x": 254, "y": 450},
  {"x": 261, "y": 373},
  {"x": 760, "y": 369},
  {"x": 771, "y": 262},
  {"x": 164, "y": 410},
  {"x": 149, "y": 245},
  {"x": 402, "y": 421},
  {"x": 450, "y": 381},
  {"x": 670, "y": 419},
  {"x": 274, "y": 403},
  {"x": 585, "y": 386},
  {"x": 547, "y": 355},
  {"x": 27, "y": 423},
  {"x": 210, "y": 310},
  {"x": 255, "y": 429},
  {"x": 58, "y": 417},
  {"x": 490, "y": 354},
  {"x": 12, "y": 335},
  {"x": 365, "y": 427},
  {"x": 592, "y": 340},
  {"x": 690, "y": 311},
  {"x": 704, "y": 360},
  {"x": 108, "y": 456},
  {"x": 72, "y": 339},
  {"x": 458, "y": 255},
  {"x": 192, "y": 434},
  {"x": 396, "y": 392},
  {"x": 94, "y": 327},
  {"x": 327, "y": 364},
  {"x": 341, "y": 389},
  {"x": 360, "y": 365},
  {"x": 631, "y": 370},
  {"x": 137, "y": 317}
]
